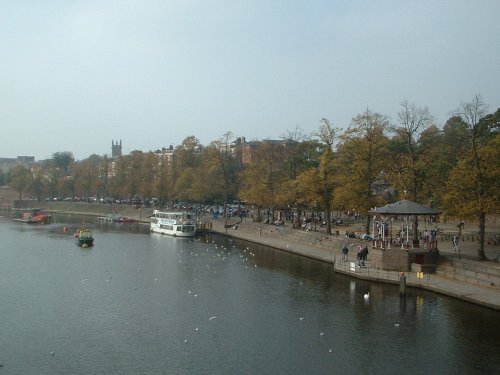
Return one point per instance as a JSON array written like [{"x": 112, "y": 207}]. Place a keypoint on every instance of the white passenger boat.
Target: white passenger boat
[{"x": 179, "y": 224}]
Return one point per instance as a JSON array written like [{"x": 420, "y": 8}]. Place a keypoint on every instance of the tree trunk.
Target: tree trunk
[
  {"x": 367, "y": 224},
  {"x": 482, "y": 226},
  {"x": 328, "y": 218},
  {"x": 415, "y": 228}
]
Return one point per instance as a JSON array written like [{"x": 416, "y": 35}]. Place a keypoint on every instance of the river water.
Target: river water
[{"x": 140, "y": 303}]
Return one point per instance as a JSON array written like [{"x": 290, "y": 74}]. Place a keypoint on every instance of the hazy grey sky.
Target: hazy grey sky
[{"x": 75, "y": 75}]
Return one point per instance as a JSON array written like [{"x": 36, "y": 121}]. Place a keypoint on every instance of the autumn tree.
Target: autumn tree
[
  {"x": 165, "y": 181},
  {"x": 318, "y": 183},
  {"x": 121, "y": 175},
  {"x": 474, "y": 182},
  {"x": 135, "y": 174},
  {"x": 301, "y": 154},
  {"x": 38, "y": 184},
  {"x": 220, "y": 170},
  {"x": 261, "y": 178},
  {"x": 361, "y": 158},
  {"x": 87, "y": 176},
  {"x": 104, "y": 175},
  {"x": 188, "y": 158},
  {"x": 149, "y": 175}
]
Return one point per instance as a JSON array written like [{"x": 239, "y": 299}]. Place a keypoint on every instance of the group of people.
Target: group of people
[{"x": 361, "y": 256}]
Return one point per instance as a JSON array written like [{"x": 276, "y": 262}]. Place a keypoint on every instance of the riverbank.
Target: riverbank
[{"x": 326, "y": 248}]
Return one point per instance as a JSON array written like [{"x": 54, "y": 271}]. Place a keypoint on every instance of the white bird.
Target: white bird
[
  {"x": 367, "y": 295},
  {"x": 213, "y": 317},
  {"x": 322, "y": 333}
]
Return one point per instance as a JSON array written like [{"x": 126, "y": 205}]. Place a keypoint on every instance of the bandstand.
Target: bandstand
[{"x": 404, "y": 252}]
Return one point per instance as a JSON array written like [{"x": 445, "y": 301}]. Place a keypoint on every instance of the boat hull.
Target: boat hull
[
  {"x": 85, "y": 242},
  {"x": 34, "y": 216},
  {"x": 115, "y": 219},
  {"x": 177, "y": 224},
  {"x": 83, "y": 238},
  {"x": 174, "y": 232}
]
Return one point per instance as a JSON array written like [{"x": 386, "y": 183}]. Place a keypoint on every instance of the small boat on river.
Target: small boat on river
[
  {"x": 124, "y": 219},
  {"x": 84, "y": 238},
  {"x": 34, "y": 216},
  {"x": 115, "y": 219},
  {"x": 177, "y": 224}
]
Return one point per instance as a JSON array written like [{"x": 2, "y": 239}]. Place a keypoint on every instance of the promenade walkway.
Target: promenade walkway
[{"x": 327, "y": 248}]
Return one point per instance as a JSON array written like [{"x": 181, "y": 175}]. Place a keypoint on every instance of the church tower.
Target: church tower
[{"x": 116, "y": 149}]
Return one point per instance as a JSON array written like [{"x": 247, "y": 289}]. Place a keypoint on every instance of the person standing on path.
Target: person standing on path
[
  {"x": 455, "y": 241},
  {"x": 345, "y": 250}
]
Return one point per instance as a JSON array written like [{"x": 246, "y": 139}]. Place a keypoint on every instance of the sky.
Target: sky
[{"x": 77, "y": 75}]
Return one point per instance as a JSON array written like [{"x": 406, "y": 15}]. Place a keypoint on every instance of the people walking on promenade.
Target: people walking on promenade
[
  {"x": 345, "y": 251},
  {"x": 455, "y": 240},
  {"x": 364, "y": 253},
  {"x": 359, "y": 257}
]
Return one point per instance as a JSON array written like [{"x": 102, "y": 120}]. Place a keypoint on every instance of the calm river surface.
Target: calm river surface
[{"x": 140, "y": 303}]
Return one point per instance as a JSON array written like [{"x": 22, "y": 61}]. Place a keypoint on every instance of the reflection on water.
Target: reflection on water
[{"x": 138, "y": 303}]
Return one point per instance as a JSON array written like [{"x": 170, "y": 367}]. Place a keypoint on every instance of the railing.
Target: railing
[
  {"x": 352, "y": 267},
  {"x": 491, "y": 238}
]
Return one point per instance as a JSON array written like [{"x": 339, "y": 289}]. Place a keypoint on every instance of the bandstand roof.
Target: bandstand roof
[{"x": 404, "y": 207}]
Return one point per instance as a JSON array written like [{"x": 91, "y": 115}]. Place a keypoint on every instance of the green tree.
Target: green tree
[
  {"x": 19, "y": 179},
  {"x": 408, "y": 171},
  {"x": 62, "y": 160},
  {"x": 3, "y": 177}
]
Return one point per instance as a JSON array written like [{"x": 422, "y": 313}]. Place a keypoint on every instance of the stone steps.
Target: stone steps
[{"x": 479, "y": 273}]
